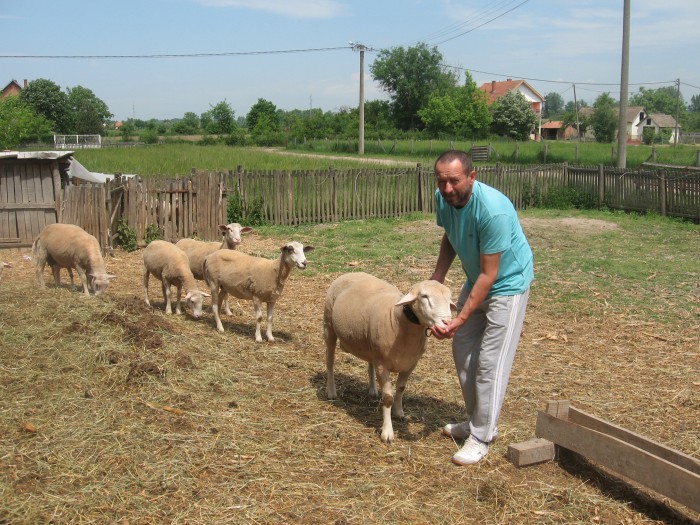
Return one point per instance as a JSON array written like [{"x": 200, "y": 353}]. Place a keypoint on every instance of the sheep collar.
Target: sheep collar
[{"x": 410, "y": 314}]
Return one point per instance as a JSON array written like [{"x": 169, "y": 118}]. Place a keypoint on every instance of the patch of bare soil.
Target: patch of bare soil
[{"x": 574, "y": 224}]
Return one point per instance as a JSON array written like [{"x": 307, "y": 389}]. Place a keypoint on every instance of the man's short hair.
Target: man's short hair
[{"x": 455, "y": 154}]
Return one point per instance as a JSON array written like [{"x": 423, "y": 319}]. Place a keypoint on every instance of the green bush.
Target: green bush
[
  {"x": 126, "y": 237},
  {"x": 149, "y": 136},
  {"x": 236, "y": 210},
  {"x": 153, "y": 233}
]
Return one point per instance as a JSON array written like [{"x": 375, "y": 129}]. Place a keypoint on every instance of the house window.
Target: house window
[{"x": 648, "y": 122}]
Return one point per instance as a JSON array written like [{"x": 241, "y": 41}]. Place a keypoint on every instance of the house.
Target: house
[
  {"x": 556, "y": 130},
  {"x": 13, "y": 88},
  {"x": 635, "y": 115},
  {"x": 495, "y": 90},
  {"x": 659, "y": 122}
]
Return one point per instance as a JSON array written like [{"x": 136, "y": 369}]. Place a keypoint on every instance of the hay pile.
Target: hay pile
[{"x": 112, "y": 412}]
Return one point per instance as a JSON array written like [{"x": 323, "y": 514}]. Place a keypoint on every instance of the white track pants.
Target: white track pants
[{"x": 483, "y": 350}]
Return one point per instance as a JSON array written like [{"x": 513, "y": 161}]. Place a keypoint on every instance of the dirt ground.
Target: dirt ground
[{"x": 112, "y": 412}]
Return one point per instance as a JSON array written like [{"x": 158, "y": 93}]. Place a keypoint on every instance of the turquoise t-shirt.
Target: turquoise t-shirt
[{"x": 488, "y": 224}]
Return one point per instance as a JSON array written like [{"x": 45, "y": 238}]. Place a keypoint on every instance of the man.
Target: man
[{"x": 482, "y": 228}]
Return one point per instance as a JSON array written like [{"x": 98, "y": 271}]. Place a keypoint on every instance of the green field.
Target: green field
[{"x": 177, "y": 160}]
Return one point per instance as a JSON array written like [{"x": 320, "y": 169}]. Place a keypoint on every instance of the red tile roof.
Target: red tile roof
[{"x": 496, "y": 90}]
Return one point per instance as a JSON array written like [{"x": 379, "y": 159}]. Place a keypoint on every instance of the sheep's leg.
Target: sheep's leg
[
  {"x": 166, "y": 296},
  {"x": 178, "y": 310},
  {"x": 83, "y": 279},
  {"x": 56, "y": 271},
  {"x": 216, "y": 300},
  {"x": 39, "y": 256},
  {"x": 384, "y": 380},
  {"x": 146, "y": 275},
  {"x": 257, "y": 304},
  {"x": 270, "y": 311},
  {"x": 397, "y": 407},
  {"x": 371, "y": 376},
  {"x": 227, "y": 308},
  {"x": 331, "y": 338}
]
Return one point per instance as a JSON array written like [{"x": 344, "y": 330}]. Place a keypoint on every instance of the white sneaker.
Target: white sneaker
[
  {"x": 456, "y": 430},
  {"x": 472, "y": 452},
  {"x": 461, "y": 430}
]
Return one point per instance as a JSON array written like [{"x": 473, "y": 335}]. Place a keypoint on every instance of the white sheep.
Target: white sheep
[
  {"x": 69, "y": 246},
  {"x": 252, "y": 278},
  {"x": 4, "y": 265},
  {"x": 170, "y": 265},
  {"x": 197, "y": 251},
  {"x": 374, "y": 321}
]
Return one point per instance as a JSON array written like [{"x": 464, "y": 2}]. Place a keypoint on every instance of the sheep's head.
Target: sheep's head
[
  {"x": 99, "y": 282},
  {"x": 431, "y": 302},
  {"x": 195, "y": 300},
  {"x": 232, "y": 233},
  {"x": 294, "y": 254}
]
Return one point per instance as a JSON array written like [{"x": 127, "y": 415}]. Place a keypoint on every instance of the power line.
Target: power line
[
  {"x": 483, "y": 24},
  {"x": 614, "y": 84},
  {"x": 183, "y": 55}
]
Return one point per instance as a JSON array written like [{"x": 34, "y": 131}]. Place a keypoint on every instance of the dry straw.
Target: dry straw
[{"x": 112, "y": 412}]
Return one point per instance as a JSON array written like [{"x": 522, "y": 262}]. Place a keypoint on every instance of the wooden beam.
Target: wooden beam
[{"x": 656, "y": 473}]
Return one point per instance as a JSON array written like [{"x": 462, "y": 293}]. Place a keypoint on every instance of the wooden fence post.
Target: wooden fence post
[
  {"x": 546, "y": 152},
  {"x": 662, "y": 193},
  {"x": 697, "y": 157},
  {"x": 601, "y": 185},
  {"x": 577, "y": 151},
  {"x": 517, "y": 151}
]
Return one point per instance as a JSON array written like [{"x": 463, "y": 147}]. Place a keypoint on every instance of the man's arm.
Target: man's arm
[
  {"x": 489, "y": 272},
  {"x": 445, "y": 258}
]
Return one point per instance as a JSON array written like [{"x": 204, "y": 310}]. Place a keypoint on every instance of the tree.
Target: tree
[
  {"x": 378, "y": 121},
  {"x": 89, "y": 114},
  {"x": 604, "y": 118},
  {"x": 553, "y": 105},
  {"x": 222, "y": 119},
  {"x": 513, "y": 116},
  {"x": 410, "y": 76},
  {"x": 694, "y": 105},
  {"x": 188, "y": 125},
  {"x": 461, "y": 111},
  {"x": 19, "y": 124},
  {"x": 661, "y": 100},
  {"x": 46, "y": 99},
  {"x": 262, "y": 117}
]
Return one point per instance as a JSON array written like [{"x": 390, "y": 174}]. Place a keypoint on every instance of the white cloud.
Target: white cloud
[{"x": 317, "y": 9}]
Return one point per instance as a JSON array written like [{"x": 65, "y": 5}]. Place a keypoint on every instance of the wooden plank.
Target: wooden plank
[
  {"x": 658, "y": 474},
  {"x": 582, "y": 418}
]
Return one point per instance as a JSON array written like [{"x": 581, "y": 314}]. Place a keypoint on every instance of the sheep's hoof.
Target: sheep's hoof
[{"x": 388, "y": 437}]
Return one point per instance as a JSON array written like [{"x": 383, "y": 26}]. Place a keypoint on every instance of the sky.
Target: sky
[{"x": 163, "y": 58}]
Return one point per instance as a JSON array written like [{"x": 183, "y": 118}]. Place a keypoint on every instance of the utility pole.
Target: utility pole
[
  {"x": 578, "y": 124},
  {"x": 678, "y": 103},
  {"x": 624, "y": 89},
  {"x": 361, "y": 140}
]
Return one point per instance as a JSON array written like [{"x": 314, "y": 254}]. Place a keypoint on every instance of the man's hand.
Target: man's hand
[{"x": 449, "y": 331}]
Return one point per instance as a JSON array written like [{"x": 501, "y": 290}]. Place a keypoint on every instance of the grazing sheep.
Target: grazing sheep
[
  {"x": 4, "y": 265},
  {"x": 252, "y": 278},
  {"x": 197, "y": 251},
  {"x": 170, "y": 265},
  {"x": 69, "y": 246},
  {"x": 374, "y": 321}
]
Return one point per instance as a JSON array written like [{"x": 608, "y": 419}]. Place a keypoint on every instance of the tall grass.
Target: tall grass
[{"x": 177, "y": 160}]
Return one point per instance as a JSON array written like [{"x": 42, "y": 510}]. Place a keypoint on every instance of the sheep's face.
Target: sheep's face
[
  {"x": 232, "y": 233},
  {"x": 294, "y": 254},
  {"x": 195, "y": 300},
  {"x": 432, "y": 303},
  {"x": 100, "y": 282}
]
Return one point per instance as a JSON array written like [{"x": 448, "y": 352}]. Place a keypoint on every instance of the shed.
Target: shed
[{"x": 30, "y": 194}]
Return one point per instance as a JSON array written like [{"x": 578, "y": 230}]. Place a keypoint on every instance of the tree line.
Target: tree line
[{"x": 426, "y": 99}]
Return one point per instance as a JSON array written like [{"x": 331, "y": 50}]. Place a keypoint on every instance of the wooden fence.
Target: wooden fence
[{"x": 194, "y": 206}]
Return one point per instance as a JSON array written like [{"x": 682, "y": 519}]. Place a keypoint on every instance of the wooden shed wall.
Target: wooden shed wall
[{"x": 28, "y": 190}]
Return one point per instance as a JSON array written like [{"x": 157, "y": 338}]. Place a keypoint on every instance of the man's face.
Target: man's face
[{"x": 455, "y": 187}]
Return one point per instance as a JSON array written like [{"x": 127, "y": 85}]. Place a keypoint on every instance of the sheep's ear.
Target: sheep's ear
[
  {"x": 453, "y": 306},
  {"x": 406, "y": 299},
  {"x": 205, "y": 294},
  {"x": 308, "y": 249},
  {"x": 6, "y": 265},
  {"x": 222, "y": 228},
  {"x": 246, "y": 229},
  {"x": 287, "y": 248}
]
